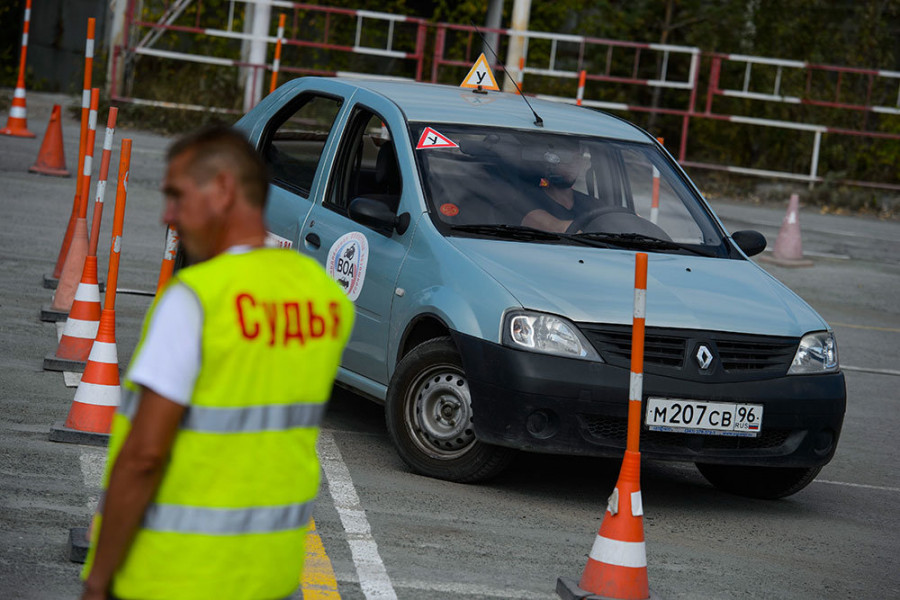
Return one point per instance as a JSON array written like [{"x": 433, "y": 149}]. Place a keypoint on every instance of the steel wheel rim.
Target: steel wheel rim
[{"x": 439, "y": 412}]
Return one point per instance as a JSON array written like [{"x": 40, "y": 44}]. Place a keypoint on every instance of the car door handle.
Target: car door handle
[{"x": 313, "y": 240}]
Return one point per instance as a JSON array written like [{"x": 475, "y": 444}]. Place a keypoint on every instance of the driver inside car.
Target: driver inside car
[{"x": 558, "y": 203}]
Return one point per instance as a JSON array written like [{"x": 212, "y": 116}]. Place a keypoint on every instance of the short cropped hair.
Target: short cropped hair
[{"x": 217, "y": 148}]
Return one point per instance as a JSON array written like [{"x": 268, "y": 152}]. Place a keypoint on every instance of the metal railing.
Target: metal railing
[{"x": 656, "y": 79}]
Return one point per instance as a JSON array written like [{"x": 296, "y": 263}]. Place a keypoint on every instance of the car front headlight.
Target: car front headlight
[
  {"x": 817, "y": 354},
  {"x": 548, "y": 334}
]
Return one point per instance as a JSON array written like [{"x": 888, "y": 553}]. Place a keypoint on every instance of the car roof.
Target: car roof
[{"x": 433, "y": 103}]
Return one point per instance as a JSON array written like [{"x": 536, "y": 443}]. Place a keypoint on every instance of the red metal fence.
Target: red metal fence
[{"x": 653, "y": 79}]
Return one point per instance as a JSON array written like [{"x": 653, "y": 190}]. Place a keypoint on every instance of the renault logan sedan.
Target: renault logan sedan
[{"x": 489, "y": 247}]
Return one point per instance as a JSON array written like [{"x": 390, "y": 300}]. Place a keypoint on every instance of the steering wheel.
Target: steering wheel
[{"x": 592, "y": 215}]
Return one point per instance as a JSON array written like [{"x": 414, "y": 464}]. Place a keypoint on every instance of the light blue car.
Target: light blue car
[{"x": 489, "y": 247}]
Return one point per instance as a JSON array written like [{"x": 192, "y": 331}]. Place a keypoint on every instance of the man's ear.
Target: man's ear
[{"x": 224, "y": 190}]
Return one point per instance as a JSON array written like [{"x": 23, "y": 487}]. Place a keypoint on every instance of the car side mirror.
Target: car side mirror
[
  {"x": 750, "y": 241},
  {"x": 377, "y": 215}
]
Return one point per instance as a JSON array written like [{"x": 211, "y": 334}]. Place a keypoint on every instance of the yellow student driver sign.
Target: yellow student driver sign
[{"x": 480, "y": 75}]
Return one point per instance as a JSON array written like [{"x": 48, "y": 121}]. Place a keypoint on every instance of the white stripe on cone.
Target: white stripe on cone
[
  {"x": 619, "y": 554},
  {"x": 98, "y": 395},
  {"x": 19, "y": 93},
  {"x": 17, "y": 112},
  {"x": 101, "y": 191},
  {"x": 81, "y": 329},
  {"x": 104, "y": 352},
  {"x": 636, "y": 386},
  {"x": 87, "y": 292},
  {"x": 640, "y": 303}
]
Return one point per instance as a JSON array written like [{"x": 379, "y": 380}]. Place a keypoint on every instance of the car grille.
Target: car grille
[
  {"x": 615, "y": 346},
  {"x": 616, "y": 429},
  {"x": 672, "y": 349},
  {"x": 750, "y": 355}
]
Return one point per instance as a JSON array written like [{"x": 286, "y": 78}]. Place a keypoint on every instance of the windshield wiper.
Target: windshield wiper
[
  {"x": 516, "y": 232},
  {"x": 639, "y": 240},
  {"x": 521, "y": 232}
]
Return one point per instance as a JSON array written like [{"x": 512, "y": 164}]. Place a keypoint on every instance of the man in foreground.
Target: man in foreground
[{"x": 212, "y": 468}]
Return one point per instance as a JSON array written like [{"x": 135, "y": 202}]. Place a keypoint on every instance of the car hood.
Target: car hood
[{"x": 683, "y": 291}]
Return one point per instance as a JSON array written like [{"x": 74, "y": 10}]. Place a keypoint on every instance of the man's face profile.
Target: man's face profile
[{"x": 190, "y": 207}]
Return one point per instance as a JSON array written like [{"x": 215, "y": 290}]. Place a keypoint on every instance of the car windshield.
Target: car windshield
[{"x": 516, "y": 185}]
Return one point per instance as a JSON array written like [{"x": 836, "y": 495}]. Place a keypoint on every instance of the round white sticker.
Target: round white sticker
[{"x": 347, "y": 260}]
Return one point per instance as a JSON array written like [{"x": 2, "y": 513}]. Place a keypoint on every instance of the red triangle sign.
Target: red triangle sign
[{"x": 432, "y": 139}]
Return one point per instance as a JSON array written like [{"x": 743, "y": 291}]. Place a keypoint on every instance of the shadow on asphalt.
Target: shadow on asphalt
[{"x": 676, "y": 485}]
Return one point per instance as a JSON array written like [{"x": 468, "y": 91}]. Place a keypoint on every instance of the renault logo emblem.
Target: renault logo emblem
[{"x": 704, "y": 357}]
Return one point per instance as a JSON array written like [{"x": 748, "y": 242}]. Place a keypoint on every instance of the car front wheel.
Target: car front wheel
[
  {"x": 768, "y": 483},
  {"x": 429, "y": 417}
]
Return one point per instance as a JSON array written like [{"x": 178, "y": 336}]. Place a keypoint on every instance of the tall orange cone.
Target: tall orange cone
[
  {"x": 73, "y": 270},
  {"x": 788, "y": 251},
  {"x": 51, "y": 158},
  {"x": 168, "y": 261},
  {"x": 617, "y": 564},
  {"x": 98, "y": 395},
  {"x": 73, "y": 266},
  {"x": 17, "y": 123},
  {"x": 52, "y": 280},
  {"x": 81, "y": 326}
]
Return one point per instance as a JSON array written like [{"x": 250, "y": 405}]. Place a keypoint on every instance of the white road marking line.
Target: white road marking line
[
  {"x": 870, "y": 370},
  {"x": 467, "y": 589},
  {"x": 93, "y": 462},
  {"x": 872, "y": 327},
  {"x": 452, "y": 589},
  {"x": 818, "y": 254},
  {"x": 880, "y": 488},
  {"x": 373, "y": 577}
]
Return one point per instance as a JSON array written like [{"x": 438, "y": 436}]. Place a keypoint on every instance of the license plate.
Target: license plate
[{"x": 709, "y": 418}]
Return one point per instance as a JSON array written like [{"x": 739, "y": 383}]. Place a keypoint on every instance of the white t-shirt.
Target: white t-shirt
[{"x": 169, "y": 360}]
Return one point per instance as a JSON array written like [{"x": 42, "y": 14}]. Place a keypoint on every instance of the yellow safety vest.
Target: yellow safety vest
[{"x": 229, "y": 518}]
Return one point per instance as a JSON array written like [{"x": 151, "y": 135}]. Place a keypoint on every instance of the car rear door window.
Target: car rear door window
[
  {"x": 366, "y": 164},
  {"x": 295, "y": 146}
]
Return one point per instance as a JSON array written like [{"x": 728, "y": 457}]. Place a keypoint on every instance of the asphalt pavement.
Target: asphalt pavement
[{"x": 509, "y": 538}]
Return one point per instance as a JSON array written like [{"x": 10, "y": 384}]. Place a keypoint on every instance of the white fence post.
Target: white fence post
[{"x": 253, "y": 85}]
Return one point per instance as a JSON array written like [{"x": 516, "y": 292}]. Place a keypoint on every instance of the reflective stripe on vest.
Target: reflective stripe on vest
[
  {"x": 193, "y": 519},
  {"x": 269, "y": 417},
  {"x": 212, "y": 521}
]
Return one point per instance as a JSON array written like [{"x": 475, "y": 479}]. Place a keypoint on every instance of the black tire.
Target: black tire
[
  {"x": 429, "y": 417},
  {"x": 768, "y": 483}
]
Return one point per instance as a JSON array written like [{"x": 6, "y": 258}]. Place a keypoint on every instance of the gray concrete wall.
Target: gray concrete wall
[{"x": 56, "y": 42}]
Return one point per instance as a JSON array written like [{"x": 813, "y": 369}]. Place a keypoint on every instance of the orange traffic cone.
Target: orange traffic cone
[
  {"x": 51, "y": 158},
  {"x": 17, "y": 124},
  {"x": 788, "y": 251},
  {"x": 73, "y": 269},
  {"x": 98, "y": 395},
  {"x": 81, "y": 326},
  {"x": 617, "y": 564}
]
